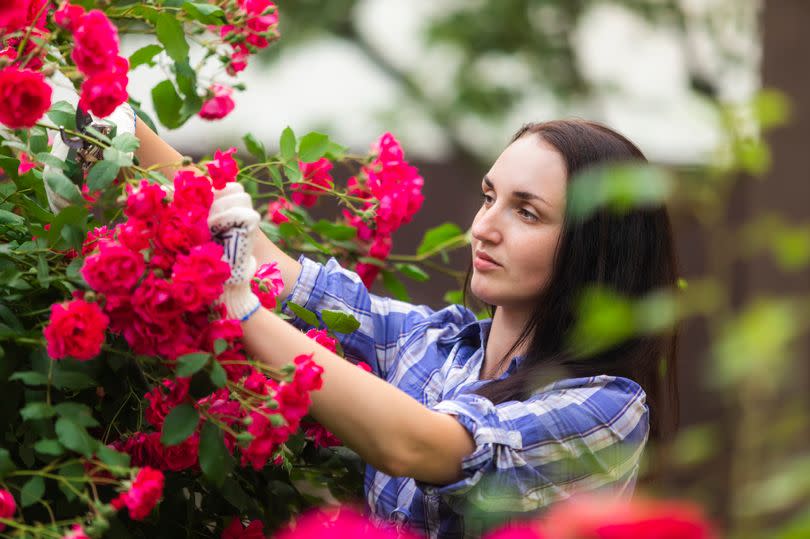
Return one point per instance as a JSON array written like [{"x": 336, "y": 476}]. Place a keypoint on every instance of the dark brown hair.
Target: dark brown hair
[{"x": 631, "y": 253}]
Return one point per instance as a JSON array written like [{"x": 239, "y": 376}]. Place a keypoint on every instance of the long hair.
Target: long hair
[{"x": 630, "y": 253}]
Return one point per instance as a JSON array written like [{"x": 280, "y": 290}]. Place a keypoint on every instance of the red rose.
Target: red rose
[
  {"x": 236, "y": 530},
  {"x": 76, "y": 329},
  {"x": 199, "y": 276},
  {"x": 180, "y": 230},
  {"x": 95, "y": 47},
  {"x": 182, "y": 456},
  {"x": 143, "y": 495},
  {"x": 223, "y": 169},
  {"x": 103, "y": 92},
  {"x": 114, "y": 269},
  {"x": 68, "y": 16},
  {"x": 219, "y": 105},
  {"x": 13, "y": 15},
  {"x": 145, "y": 202},
  {"x": 163, "y": 400},
  {"x": 7, "y": 506},
  {"x": 321, "y": 337},
  {"x": 155, "y": 301},
  {"x": 192, "y": 192},
  {"x": 317, "y": 177},
  {"x": 267, "y": 284},
  {"x": 24, "y": 97}
]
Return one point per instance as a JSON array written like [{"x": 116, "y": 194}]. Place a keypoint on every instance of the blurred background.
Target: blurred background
[{"x": 454, "y": 79}]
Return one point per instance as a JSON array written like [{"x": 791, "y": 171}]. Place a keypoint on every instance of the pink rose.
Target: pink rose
[
  {"x": 114, "y": 269},
  {"x": 267, "y": 284},
  {"x": 192, "y": 192},
  {"x": 103, "y": 92},
  {"x": 321, "y": 337},
  {"x": 76, "y": 532},
  {"x": 182, "y": 456},
  {"x": 219, "y": 105},
  {"x": 143, "y": 495},
  {"x": 163, "y": 398},
  {"x": 24, "y": 97},
  {"x": 274, "y": 211},
  {"x": 181, "y": 229},
  {"x": 154, "y": 300},
  {"x": 236, "y": 530},
  {"x": 135, "y": 234},
  {"x": 26, "y": 164},
  {"x": 95, "y": 43},
  {"x": 223, "y": 169},
  {"x": 8, "y": 506},
  {"x": 13, "y": 15},
  {"x": 145, "y": 202},
  {"x": 76, "y": 328},
  {"x": 69, "y": 16},
  {"x": 317, "y": 177},
  {"x": 199, "y": 276}
]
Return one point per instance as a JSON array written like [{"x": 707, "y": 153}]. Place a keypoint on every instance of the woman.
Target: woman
[{"x": 500, "y": 415}]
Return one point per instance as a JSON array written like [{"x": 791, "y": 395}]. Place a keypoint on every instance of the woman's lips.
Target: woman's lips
[{"x": 483, "y": 262}]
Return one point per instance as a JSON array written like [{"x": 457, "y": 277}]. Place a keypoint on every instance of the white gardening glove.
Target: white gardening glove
[
  {"x": 123, "y": 118},
  {"x": 232, "y": 222}
]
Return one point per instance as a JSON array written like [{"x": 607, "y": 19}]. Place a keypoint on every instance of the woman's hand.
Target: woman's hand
[
  {"x": 232, "y": 222},
  {"x": 122, "y": 120}
]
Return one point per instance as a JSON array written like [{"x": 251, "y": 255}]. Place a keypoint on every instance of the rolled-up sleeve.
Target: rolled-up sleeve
[
  {"x": 384, "y": 323},
  {"x": 571, "y": 436}
]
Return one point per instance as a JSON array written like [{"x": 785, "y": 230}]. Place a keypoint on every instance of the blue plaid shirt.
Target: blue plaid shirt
[{"x": 574, "y": 435}]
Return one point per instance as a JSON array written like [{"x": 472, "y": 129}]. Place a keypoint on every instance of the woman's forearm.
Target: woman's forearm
[
  {"x": 388, "y": 428},
  {"x": 156, "y": 152}
]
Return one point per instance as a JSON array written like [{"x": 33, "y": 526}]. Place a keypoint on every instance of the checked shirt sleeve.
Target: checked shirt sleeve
[
  {"x": 579, "y": 434},
  {"x": 384, "y": 322}
]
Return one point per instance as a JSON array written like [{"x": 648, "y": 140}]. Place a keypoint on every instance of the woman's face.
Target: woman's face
[{"x": 514, "y": 234}]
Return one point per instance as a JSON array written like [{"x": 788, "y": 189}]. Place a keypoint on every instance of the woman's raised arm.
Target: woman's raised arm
[{"x": 156, "y": 152}]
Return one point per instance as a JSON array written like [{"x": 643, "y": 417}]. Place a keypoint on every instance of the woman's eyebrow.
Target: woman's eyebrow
[{"x": 522, "y": 195}]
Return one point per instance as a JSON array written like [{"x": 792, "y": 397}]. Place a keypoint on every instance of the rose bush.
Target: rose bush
[{"x": 130, "y": 405}]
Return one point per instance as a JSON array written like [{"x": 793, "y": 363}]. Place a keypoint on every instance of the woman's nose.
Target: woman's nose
[{"x": 485, "y": 227}]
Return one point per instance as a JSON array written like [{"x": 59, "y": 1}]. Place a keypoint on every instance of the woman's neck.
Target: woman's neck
[{"x": 507, "y": 325}]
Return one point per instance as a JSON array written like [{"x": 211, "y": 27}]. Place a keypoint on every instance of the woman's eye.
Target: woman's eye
[
  {"x": 487, "y": 199},
  {"x": 526, "y": 214}
]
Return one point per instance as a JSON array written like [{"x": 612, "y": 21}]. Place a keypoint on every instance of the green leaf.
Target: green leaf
[
  {"x": 255, "y": 147},
  {"x": 126, "y": 142},
  {"x": 188, "y": 364},
  {"x": 49, "y": 447},
  {"x": 437, "y": 236},
  {"x": 339, "y": 322},
  {"x": 72, "y": 380},
  {"x": 179, "y": 424},
  {"x": 38, "y": 140},
  {"x": 414, "y": 272},
  {"x": 167, "y": 104},
  {"x": 334, "y": 231},
  {"x": 47, "y": 158},
  {"x": 111, "y": 457},
  {"x": 335, "y": 152},
  {"x": 618, "y": 188},
  {"x": 218, "y": 375},
  {"x": 74, "y": 473},
  {"x": 37, "y": 410},
  {"x": 287, "y": 144},
  {"x": 32, "y": 491},
  {"x": 77, "y": 412},
  {"x": 75, "y": 437},
  {"x": 102, "y": 175},
  {"x": 394, "y": 285},
  {"x": 63, "y": 114},
  {"x": 604, "y": 319},
  {"x": 6, "y": 464},
  {"x": 220, "y": 345},
  {"x": 118, "y": 157},
  {"x": 205, "y": 13},
  {"x": 144, "y": 55},
  {"x": 307, "y": 316},
  {"x": 62, "y": 185},
  {"x": 215, "y": 461},
  {"x": 312, "y": 147},
  {"x": 30, "y": 378},
  {"x": 9, "y": 218},
  {"x": 454, "y": 296},
  {"x": 171, "y": 35}
]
